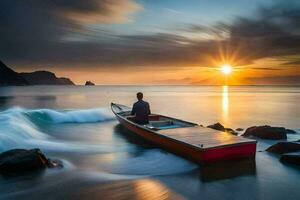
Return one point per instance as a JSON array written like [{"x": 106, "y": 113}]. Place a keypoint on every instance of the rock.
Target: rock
[
  {"x": 89, "y": 83},
  {"x": 21, "y": 160},
  {"x": 291, "y": 159},
  {"x": 55, "y": 163},
  {"x": 220, "y": 127},
  {"x": 230, "y": 130},
  {"x": 217, "y": 126},
  {"x": 266, "y": 132},
  {"x": 284, "y": 147},
  {"x": 64, "y": 81},
  {"x": 239, "y": 129}
]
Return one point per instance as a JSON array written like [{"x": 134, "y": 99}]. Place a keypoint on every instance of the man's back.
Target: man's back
[{"x": 141, "y": 110}]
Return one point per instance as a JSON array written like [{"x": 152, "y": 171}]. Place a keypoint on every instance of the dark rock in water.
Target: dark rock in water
[
  {"x": 220, "y": 127},
  {"x": 291, "y": 159},
  {"x": 21, "y": 160},
  {"x": 217, "y": 126},
  {"x": 239, "y": 129},
  {"x": 266, "y": 132},
  {"x": 89, "y": 83},
  {"x": 284, "y": 147},
  {"x": 230, "y": 130},
  {"x": 55, "y": 163},
  {"x": 290, "y": 131}
]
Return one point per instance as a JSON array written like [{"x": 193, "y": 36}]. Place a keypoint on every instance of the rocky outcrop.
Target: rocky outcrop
[
  {"x": 89, "y": 83},
  {"x": 217, "y": 126},
  {"x": 65, "y": 81},
  {"x": 22, "y": 160},
  {"x": 266, "y": 132},
  {"x": 45, "y": 78},
  {"x": 284, "y": 147},
  {"x": 10, "y": 77},
  {"x": 290, "y": 159},
  {"x": 220, "y": 127}
]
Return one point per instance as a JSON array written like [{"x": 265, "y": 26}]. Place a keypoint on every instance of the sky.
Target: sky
[{"x": 141, "y": 42}]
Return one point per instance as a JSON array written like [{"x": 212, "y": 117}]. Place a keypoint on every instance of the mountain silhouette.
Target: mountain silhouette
[
  {"x": 9, "y": 77},
  {"x": 45, "y": 78}
]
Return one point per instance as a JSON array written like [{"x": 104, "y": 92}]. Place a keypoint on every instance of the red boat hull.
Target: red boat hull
[{"x": 202, "y": 156}]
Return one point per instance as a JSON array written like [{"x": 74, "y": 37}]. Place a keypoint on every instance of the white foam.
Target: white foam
[
  {"x": 18, "y": 129},
  {"x": 72, "y": 116},
  {"x": 151, "y": 163}
]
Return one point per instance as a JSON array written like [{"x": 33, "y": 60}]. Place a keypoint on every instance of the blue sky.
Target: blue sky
[{"x": 169, "y": 15}]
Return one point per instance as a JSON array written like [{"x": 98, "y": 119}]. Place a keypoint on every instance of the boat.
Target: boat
[{"x": 197, "y": 143}]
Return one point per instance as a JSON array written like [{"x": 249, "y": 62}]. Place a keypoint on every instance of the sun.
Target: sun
[{"x": 226, "y": 69}]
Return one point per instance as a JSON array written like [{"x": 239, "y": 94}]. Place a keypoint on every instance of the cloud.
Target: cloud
[
  {"x": 271, "y": 31},
  {"x": 293, "y": 62},
  {"x": 274, "y": 31},
  {"x": 35, "y": 32},
  {"x": 265, "y": 68},
  {"x": 100, "y": 11},
  {"x": 275, "y": 80}
]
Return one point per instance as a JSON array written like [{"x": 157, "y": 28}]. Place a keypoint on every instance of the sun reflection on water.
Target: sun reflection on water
[{"x": 225, "y": 103}]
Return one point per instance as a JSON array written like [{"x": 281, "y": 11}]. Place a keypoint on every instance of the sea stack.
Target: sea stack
[{"x": 89, "y": 83}]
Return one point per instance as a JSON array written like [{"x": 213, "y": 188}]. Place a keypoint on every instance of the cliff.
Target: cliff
[
  {"x": 89, "y": 83},
  {"x": 10, "y": 77},
  {"x": 45, "y": 78}
]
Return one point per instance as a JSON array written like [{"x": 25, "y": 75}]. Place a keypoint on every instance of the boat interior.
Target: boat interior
[{"x": 160, "y": 122}]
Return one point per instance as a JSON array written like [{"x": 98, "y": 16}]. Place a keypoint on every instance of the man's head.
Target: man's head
[{"x": 139, "y": 96}]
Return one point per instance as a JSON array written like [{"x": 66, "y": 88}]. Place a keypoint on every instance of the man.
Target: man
[{"x": 141, "y": 110}]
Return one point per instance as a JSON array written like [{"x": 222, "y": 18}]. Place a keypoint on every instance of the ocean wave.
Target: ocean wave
[
  {"x": 70, "y": 116},
  {"x": 19, "y": 128},
  {"x": 16, "y": 128}
]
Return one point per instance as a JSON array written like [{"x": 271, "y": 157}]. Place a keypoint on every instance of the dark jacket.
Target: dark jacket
[{"x": 141, "y": 110}]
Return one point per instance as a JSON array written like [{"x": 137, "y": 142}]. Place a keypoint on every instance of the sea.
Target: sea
[{"x": 103, "y": 160}]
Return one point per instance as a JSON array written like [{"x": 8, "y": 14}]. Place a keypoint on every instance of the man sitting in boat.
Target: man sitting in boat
[{"x": 141, "y": 110}]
